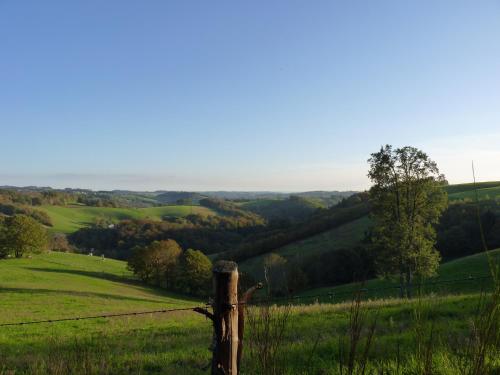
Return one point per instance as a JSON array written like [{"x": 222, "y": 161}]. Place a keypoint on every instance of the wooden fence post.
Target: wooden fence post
[{"x": 225, "y": 318}]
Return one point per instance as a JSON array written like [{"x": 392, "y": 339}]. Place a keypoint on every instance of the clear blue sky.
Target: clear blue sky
[{"x": 244, "y": 95}]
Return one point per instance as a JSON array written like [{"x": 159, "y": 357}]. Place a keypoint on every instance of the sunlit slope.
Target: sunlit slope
[
  {"x": 68, "y": 219},
  {"x": 59, "y": 285},
  {"x": 485, "y": 190}
]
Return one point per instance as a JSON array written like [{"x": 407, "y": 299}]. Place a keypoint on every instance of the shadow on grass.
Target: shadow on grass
[
  {"x": 78, "y": 293},
  {"x": 110, "y": 277}
]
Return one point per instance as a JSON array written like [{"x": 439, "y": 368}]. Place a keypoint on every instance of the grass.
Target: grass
[
  {"x": 59, "y": 285},
  {"x": 462, "y": 268},
  {"x": 485, "y": 193},
  {"x": 460, "y": 188},
  {"x": 67, "y": 219}
]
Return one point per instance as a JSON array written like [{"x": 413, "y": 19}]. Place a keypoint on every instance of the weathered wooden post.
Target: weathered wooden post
[{"x": 225, "y": 318}]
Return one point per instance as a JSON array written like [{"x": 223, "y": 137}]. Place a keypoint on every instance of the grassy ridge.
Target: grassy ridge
[
  {"x": 460, "y": 188},
  {"x": 483, "y": 193},
  {"x": 67, "y": 219}
]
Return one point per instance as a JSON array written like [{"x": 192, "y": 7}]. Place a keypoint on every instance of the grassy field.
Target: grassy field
[
  {"x": 67, "y": 219},
  {"x": 463, "y": 268},
  {"x": 460, "y": 188},
  {"x": 60, "y": 285},
  {"x": 483, "y": 193}
]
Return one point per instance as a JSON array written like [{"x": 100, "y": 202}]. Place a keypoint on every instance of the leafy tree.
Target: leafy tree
[
  {"x": 59, "y": 242},
  {"x": 275, "y": 274},
  {"x": 195, "y": 273},
  {"x": 22, "y": 235},
  {"x": 408, "y": 200},
  {"x": 156, "y": 262}
]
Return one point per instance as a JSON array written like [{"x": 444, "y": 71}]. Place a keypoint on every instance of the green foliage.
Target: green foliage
[
  {"x": 59, "y": 242},
  {"x": 458, "y": 269},
  {"x": 194, "y": 276},
  {"x": 323, "y": 220},
  {"x": 38, "y": 215},
  {"x": 163, "y": 264},
  {"x": 408, "y": 200},
  {"x": 22, "y": 235},
  {"x": 157, "y": 262},
  {"x": 292, "y": 210},
  {"x": 459, "y": 232}
]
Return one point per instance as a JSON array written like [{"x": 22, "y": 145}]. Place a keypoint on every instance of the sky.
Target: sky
[{"x": 244, "y": 95}]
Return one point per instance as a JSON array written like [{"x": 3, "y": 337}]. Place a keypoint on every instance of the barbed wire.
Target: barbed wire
[
  {"x": 333, "y": 294},
  {"x": 199, "y": 308},
  {"x": 115, "y": 315}
]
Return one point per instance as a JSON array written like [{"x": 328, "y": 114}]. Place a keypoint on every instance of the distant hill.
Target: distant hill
[
  {"x": 171, "y": 197},
  {"x": 67, "y": 219},
  {"x": 293, "y": 209}
]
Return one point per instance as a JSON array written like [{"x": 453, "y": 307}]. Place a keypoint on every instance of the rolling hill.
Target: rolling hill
[
  {"x": 293, "y": 209},
  {"x": 67, "y": 219},
  {"x": 344, "y": 236},
  {"x": 349, "y": 234},
  {"x": 489, "y": 190}
]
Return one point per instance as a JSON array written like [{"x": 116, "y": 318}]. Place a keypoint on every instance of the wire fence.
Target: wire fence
[{"x": 327, "y": 297}]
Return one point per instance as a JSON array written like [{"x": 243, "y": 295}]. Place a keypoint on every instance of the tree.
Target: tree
[
  {"x": 408, "y": 200},
  {"x": 275, "y": 274},
  {"x": 22, "y": 235},
  {"x": 59, "y": 242},
  {"x": 156, "y": 262},
  {"x": 195, "y": 273}
]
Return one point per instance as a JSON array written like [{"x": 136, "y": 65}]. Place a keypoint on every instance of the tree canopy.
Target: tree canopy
[
  {"x": 408, "y": 200},
  {"x": 21, "y": 235}
]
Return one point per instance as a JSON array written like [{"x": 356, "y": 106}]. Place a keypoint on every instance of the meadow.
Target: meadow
[
  {"x": 484, "y": 190},
  {"x": 68, "y": 219},
  {"x": 58, "y": 285}
]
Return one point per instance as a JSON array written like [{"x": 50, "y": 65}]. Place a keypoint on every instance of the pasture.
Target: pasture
[
  {"x": 61, "y": 285},
  {"x": 67, "y": 219}
]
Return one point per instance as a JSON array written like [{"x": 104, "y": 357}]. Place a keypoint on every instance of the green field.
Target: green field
[
  {"x": 460, "y": 188},
  {"x": 67, "y": 219},
  {"x": 488, "y": 193},
  {"x": 61, "y": 285}
]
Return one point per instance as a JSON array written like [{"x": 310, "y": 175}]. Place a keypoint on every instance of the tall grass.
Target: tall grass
[{"x": 268, "y": 325}]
